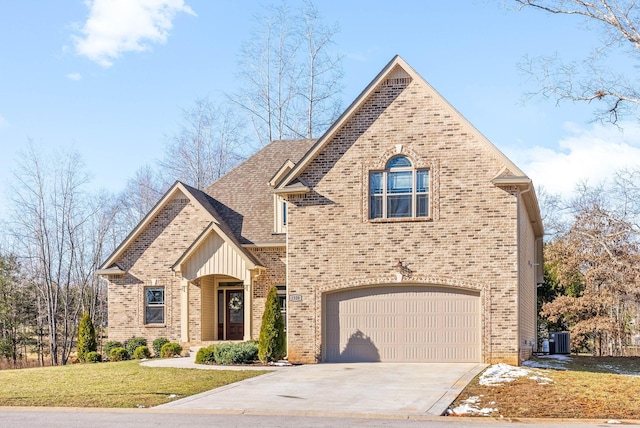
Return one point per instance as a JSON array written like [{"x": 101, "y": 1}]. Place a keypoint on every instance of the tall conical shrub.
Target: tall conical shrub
[
  {"x": 86, "y": 337},
  {"x": 272, "y": 345}
]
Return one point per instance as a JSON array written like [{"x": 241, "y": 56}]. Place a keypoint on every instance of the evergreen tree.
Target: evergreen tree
[
  {"x": 86, "y": 337},
  {"x": 272, "y": 345}
]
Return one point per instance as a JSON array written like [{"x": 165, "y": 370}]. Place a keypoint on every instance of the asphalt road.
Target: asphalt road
[{"x": 128, "y": 418}]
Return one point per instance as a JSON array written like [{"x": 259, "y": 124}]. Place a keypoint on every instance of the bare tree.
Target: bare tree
[
  {"x": 53, "y": 228},
  {"x": 592, "y": 79},
  {"x": 322, "y": 72},
  {"x": 207, "y": 146},
  {"x": 141, "y": 193},
  {"x": 291, "y": 75}
]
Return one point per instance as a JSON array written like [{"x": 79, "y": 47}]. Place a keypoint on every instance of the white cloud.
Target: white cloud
[
  {"x": 74, "y": 76},
  {"x": 118, "y": 26},
  {"x": 588, "y": 155}
]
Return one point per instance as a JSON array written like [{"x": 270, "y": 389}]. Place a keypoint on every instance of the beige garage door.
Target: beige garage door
[{"x": 402, "y": 324}]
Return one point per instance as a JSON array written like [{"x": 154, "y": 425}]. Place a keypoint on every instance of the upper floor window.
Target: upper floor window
[
  {"x": 280, "y": 214},
  {"x": 400, "y": 191}
]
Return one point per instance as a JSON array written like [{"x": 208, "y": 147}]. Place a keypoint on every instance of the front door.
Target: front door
[{"x": 233, "y": 314}]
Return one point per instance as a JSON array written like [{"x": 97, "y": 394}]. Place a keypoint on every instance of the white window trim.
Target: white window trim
[
  {"x": 279, "y": 214},
  {"x": 414, "y": 193}
]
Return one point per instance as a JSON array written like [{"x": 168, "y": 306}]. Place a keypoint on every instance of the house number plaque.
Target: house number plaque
[{"x": 295, "y": 297}]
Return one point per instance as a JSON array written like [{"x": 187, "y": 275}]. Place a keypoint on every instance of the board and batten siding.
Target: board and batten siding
[{"x": 214, "y": 257}]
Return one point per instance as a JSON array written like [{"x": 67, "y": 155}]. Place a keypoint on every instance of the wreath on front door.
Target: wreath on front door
[{"x": 235, "y": 303}]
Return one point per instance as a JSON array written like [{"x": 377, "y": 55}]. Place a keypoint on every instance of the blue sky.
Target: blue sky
[{"x": 116, "y": 98}]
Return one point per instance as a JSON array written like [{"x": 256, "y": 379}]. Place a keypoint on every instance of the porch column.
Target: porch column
[
  {"x": 248, "y": 307},
  {"x": 184, "y": 310}
]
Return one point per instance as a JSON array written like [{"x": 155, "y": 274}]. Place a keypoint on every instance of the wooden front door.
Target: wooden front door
[{"x": 234, "y": 319}]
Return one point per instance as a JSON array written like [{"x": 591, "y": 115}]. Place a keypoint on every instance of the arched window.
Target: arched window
[{"x": 400, "y": 191}]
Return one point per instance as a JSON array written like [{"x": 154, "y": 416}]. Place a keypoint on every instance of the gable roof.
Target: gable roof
[
  {"x": 243, "y": 198},
  {"x": 198, "y": 198},
  {"x": 395, "y": 68}
]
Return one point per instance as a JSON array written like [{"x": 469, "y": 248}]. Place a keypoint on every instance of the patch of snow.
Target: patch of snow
[
  {"x": 555, "y": 361},
  {"x": 173, "y": 395},
  {"x": 469, "y": 407},
  {"x": 613, "y": 421},
  {"x": 499, "y": 374}
]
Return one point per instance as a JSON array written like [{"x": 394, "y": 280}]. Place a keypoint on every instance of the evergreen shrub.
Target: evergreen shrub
[
  {"x": 141, "y": 352},
  {"x": 205, "y": 355},
  {"x": 133, "y": 343},
  {"x": 109, "y": 345},
  {"x": 118, "y": 354},
  {"x": 92, "y": 357},
  {"x": 157, "y": 345},
  {"x": 86, "y": 337},
  {"x": 170, "y": 349},
  {"x": 272, "y": 345}
]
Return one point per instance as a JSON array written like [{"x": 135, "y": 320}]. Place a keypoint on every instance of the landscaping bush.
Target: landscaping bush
[
  {"x": 158, "y": 344},
  {"x": 206, "y": 355},
  {"x": 141, "y": 352},
  {"x": 118, "y": 354},
  {"x": 86, "y": 337},
  {"x": 272, "y": 345},
  {"x": 108, "y": 346},
  {"x": 133, "y": 343},
  {"x": 170, "y": 349},
  {"x": 236, "y": 353},
  {"x": 92, "y": 357}
]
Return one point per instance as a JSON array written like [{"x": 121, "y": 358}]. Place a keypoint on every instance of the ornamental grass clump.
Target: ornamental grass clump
[{"x": 272, "y": 345}]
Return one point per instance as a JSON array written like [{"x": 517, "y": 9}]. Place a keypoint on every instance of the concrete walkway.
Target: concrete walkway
[{"x": 375, "y": 389}]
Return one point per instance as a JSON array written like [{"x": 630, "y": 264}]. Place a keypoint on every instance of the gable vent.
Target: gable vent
[{"x": 398, "y": 76}]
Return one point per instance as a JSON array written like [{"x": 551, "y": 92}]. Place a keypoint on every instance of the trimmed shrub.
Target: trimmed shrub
[
  {"x": 236, "y": 353},
  {"x": 158, "y": 344},
  {"x": 141, "y": 352},
  {"x": 133, "y": 343},
  {"x": 205, "y": 355},
  {"x": 108, "y": 346},
  {"x": 92, "y": 357},
  {"x": 170, "y": 349},
  {"x": 86, "y": 337},
  {"x": 118, "y": 354},
  {"x": 272, "y": 345}
]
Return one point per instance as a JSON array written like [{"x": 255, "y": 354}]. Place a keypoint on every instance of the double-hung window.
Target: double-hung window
[
  {"x": 154, "y": 305},
  {"x": 400, "y": 191}
]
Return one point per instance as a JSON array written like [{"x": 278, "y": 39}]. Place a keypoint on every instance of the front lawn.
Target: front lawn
[
  {"x": 121, "y": 384},
  {"x": 556, "y": 387}
]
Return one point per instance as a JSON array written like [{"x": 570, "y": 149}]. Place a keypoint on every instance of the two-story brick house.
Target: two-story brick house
[{"x": 401, "y": 234}]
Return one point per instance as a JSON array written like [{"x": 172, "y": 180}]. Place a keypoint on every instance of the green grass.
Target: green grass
[
  {"x": 584, "y": 387},
  {"x": 122, "y": 384}
]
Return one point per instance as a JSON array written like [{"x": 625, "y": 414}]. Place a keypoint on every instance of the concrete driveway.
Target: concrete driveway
[{"x": 342, "y": 389}]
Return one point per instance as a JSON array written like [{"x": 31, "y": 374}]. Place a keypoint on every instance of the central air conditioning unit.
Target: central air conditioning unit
[{"x": 560, "y": 343}]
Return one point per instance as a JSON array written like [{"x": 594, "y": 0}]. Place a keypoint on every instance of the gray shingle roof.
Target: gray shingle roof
[{"x": 243, "y": 197}]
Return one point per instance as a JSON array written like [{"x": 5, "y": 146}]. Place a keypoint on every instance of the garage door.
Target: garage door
[{"x": 402, "y": 324}]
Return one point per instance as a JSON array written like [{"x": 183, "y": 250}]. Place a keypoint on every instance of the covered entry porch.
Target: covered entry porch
[{"x": 216, "y": 276}]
